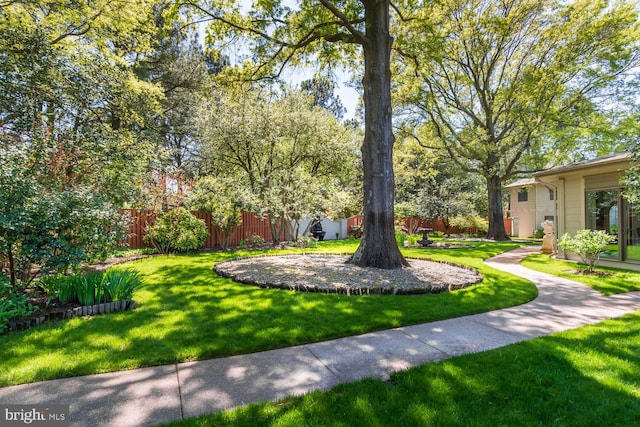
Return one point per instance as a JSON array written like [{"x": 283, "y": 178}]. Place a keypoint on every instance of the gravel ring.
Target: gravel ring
[{"x": 331, "y": 274}]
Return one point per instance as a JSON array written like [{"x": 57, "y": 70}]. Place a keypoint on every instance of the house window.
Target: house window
[
  {"x": 523, "y": 195},
  {"x": 549, "y": 218},
  {"x": 602, "y": 214},
  {"x": 632, "y": 244},
  {"x": 551, "y": 195}
]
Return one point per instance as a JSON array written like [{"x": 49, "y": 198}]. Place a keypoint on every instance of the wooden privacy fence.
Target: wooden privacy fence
[
  {"x": 412, "y": 223},
  {"x": 252, "y": 225}
]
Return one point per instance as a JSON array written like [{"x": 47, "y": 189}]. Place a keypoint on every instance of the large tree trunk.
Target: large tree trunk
[
  {"x": 378, "y": 247},
  {"x": 496, "y": 219}
]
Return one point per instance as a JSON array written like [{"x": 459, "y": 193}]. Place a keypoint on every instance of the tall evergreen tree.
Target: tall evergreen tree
[{"x": 322, "y": 89}]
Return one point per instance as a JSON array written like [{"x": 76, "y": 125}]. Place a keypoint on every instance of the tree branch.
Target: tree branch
[
  {"x": 399, "y": 13},
  {"x": 346, "y": 22}
]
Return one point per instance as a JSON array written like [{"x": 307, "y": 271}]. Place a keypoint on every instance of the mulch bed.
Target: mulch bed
[
  {"x": 327, "y": 273},
  {"x": 102, "y": 266}
]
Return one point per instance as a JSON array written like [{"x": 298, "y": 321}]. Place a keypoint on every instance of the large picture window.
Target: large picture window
[
  {"x": 603, "y": 214},
  {"x": 633, "y": 234}
]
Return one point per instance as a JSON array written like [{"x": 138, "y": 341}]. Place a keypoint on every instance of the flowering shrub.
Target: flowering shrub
[
  {"x": 588, "y": 244},
  {"x": 177, "y": 231}
]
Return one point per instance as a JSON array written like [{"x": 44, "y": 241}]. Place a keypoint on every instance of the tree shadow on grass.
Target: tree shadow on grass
[
  {"x": 580, "y": 377},
  {"x": 186, "y": 312}
]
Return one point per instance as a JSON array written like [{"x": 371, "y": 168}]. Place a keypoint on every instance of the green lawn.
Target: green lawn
[
  {"x": 616, "y": 282},
  {"x": 186, "y": 312},
  {"x": 587, "y": 376}
]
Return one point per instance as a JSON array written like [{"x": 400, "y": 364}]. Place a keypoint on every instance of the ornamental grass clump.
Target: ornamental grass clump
[
  {"x": 119, "y": 285},
  {"x": 86, "y": 287},
  {"x": 93, "y": 288},
  {"x": 588, "y": 244}
]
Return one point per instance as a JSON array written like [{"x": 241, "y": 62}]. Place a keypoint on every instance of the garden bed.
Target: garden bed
[
  {"x": 68, "y": 312},
  {"x": 59, "y": 296}
]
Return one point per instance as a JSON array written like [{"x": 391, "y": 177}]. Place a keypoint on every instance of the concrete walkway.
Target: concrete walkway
[{"x": 160, "y": 394}]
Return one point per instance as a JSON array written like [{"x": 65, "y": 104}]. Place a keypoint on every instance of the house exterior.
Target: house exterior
[
  {"x": 530, "y": 203},
  {"x": 588, "y": 195}
]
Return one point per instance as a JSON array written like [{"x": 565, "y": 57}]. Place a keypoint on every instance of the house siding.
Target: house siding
[
  {"x": 525, "y": 212},
  {"x": 602, "y": 181},
  {"x": 572, "y": 182},
  {"x": 574, "y": 205},
  {"x": 530, "y": 214},
  {"x": 544, "y": 205}
]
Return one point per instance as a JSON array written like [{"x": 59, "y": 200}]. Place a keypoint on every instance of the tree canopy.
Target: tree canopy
[
  {"x": 489, "y": 82},
  {"x": 66, "y": 81},
  {"x": 322, "y": 89},
  {"x": 106, "y": 97},
  {"x": 72, "y": 115},
  {"x": 278, "y": 34},
  {"x": 295, "y": 159}
]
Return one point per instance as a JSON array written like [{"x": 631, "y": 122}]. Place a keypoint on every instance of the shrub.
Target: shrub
[
  {"x": 177, "y": 231},
  {"x": 306, "y": 242},
  {"x": 413, "y": 239},
  {"x": 538, "y": 234},
  {"x": 401, "y": 236},
  {"x": 254, "y": 241},
  {"x": 469, "y": 222},
  {"x": 356, "y": 231},
  {"x": 46, "y": 226},
  {"x": 588, "y": 244},
  {"x": 12, "y": 304}
]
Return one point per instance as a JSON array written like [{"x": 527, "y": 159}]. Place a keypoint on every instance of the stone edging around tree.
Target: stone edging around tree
[{"x": 304, "y": 272}]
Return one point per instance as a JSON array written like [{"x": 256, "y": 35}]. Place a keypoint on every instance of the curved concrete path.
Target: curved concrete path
[{"x": 160, "y": 394}]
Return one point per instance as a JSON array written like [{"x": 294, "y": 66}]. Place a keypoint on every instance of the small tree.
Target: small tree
[
  {"x": 588, "y": 244},
  {"x": 287, "y": 153},
  {"x": 446, "y": 199},
  {"x": 432, "y": 187},
  {"x": 223, "y": 199},
  {"x": 177, "y": 231}
]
